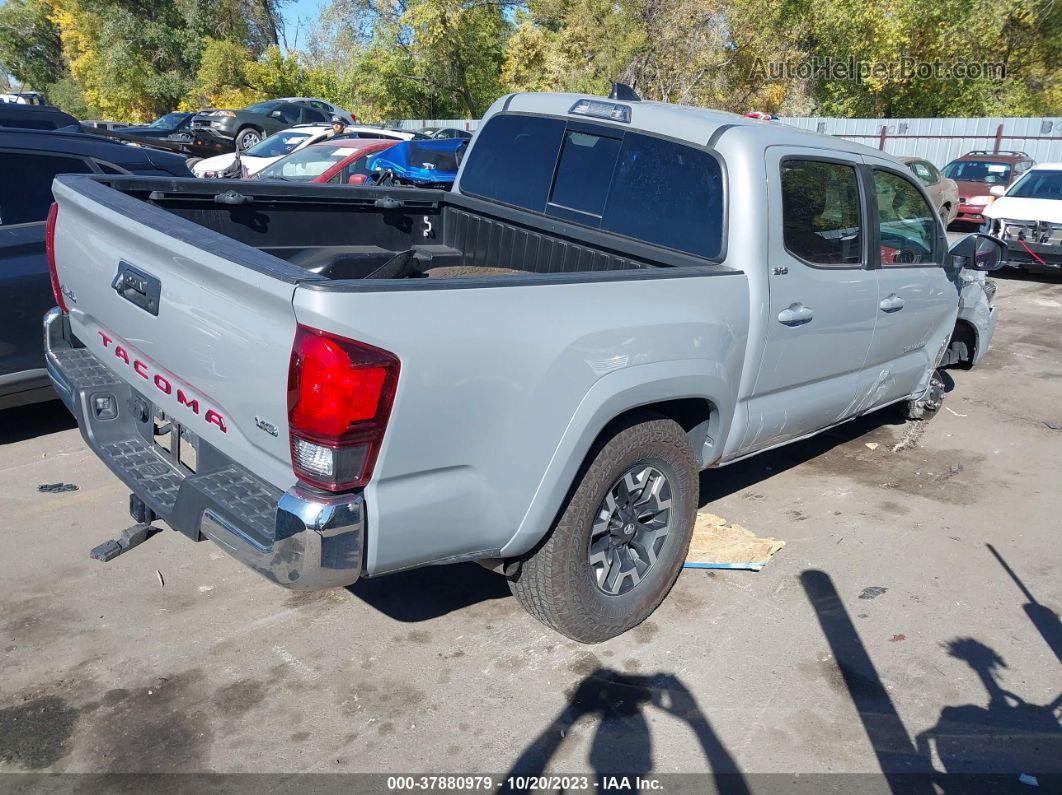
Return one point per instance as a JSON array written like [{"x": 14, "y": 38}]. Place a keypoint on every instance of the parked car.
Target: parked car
[
  {"x": 1028, "y": 217},
  {"x": 943, "y": 191},
  {"x": 163, "y": 127},
  {"x": 35, "y": 117},
  {"x": 338, "y": 161},
  {"x": 242, "y": 129},
  {"x": 527, "y": 371},
  {"x": 23, "y": 98},
  {"x": 327, "y": 108},
  {"x": 975, "y": 173},
  {"x": 284, "y": 143},
  {"x": 444, "y": 132},
  {"x": 424, "y": 163},
  {"x": 29, "y": 162}
]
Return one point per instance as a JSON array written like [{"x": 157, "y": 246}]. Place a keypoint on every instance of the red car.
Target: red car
[
  {"x": 977, "y": 173},
  {"x": 339, "y": 161}
]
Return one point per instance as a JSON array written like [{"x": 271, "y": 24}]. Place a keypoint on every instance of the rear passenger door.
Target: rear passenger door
[
  {"x": 823, "y": 296},
  {"x": 918, "y": 300}
]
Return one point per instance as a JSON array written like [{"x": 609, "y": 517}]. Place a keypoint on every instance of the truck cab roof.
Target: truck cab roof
[{"x": 698, "y": 126}]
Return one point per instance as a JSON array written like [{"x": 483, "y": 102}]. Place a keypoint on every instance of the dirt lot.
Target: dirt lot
[{"x": 885, "y": 634}]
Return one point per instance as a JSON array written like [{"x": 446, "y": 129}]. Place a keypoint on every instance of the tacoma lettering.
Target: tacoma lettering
[{"x": 162, "y": 383}]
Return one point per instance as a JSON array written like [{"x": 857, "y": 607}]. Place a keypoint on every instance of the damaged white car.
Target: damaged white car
[{"x": 1028, "y": 217}]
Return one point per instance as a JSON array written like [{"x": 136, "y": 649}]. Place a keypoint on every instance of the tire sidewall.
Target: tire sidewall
[
  {"x": 623, "y": 611},
  {"x": 241, "y": 137}
]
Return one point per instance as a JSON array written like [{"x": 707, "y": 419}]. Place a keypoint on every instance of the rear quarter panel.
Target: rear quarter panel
[{"x": 504, "y": 388}]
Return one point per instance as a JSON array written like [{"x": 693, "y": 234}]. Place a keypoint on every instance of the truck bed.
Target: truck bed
[{"x": 343, "y": 234}]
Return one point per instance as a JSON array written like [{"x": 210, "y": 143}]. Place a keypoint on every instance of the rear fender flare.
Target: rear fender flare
[{"x": 609, "y": 397}]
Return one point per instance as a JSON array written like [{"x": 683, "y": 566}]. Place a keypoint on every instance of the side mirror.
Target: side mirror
[
  {"x": 979, "y": 252},
  {"x": 997, "y": 190},
  {"x": 356, "y": 179}
]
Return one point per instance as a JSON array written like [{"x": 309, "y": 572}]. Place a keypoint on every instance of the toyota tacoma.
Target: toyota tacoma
[{"x": 528, "y": 371}]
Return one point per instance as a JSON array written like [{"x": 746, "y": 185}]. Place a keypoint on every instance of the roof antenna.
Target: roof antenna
[{"x": 624, "y": 92}]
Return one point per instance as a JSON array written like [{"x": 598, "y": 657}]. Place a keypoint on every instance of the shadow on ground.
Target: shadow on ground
[
  {"x": 27, "y": 422},
  {"x": 724, "y": 481},
  {"x": 622, "y": 744},
  {"x": 432, "y": 591},
  {"x": 1002, "y": 746}
]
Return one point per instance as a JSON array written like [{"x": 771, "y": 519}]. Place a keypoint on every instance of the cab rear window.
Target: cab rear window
[{"x": 655, "y": 190}]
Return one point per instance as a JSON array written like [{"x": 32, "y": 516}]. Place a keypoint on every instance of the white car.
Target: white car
[
  {"x": 1029, "y": 218},
  {"x": 284, "y": 143}
]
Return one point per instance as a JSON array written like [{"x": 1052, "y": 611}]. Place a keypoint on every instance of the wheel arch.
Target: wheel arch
[
  {"x": 694, "y": 393},
  {"x": 962, "y": 346}
]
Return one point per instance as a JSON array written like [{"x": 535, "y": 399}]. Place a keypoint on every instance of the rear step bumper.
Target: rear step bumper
[{"x": 297, "y": 539}]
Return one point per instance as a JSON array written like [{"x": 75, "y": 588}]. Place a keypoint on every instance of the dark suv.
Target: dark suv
[
  {"x": 245, "y": 128},
  {"x": 29, "y": 161},
  {"x": 977, "y": 173}
]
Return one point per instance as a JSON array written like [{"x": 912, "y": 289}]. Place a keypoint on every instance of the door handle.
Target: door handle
[
  {"x": 891, "y": 303},
  {"x": 795, "y": 314}
]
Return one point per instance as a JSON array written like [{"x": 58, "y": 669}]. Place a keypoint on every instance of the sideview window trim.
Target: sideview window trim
[
  {"x": 613, "y": 131},
  {"x": 864, "y": 258}
]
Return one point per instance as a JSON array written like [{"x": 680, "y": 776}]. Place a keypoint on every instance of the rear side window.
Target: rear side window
[
  {"x": 33, "y": 174},
  {"x": 821, "y": 217},
  {"x": 514, "y": 160},
  {"x": 658, "y": 191}
]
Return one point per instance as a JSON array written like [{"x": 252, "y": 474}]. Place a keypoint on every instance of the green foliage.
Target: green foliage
[
  {"x": 30, "y": 49},
  {"x": 386, "y": 59}
]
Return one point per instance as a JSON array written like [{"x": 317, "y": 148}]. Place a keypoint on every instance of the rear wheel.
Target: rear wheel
[{"x": 620, "y": 543}]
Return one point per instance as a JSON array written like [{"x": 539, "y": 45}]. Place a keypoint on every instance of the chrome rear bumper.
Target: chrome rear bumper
[{"x": 298, "y": 539}]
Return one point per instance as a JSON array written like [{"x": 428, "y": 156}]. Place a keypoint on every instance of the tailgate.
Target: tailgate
[{"x": 184, "y": 315}]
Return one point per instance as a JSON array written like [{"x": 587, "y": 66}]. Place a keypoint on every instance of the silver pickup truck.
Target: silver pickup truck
[{"x": 528, "y": 371}]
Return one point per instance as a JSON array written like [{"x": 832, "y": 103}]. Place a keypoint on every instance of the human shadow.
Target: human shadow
[
  {"x": 980, "y": 748},
  {"x": 622, "y": 743},
  {"x": 431, "y": 591},
  {"x": 1008, "y": 737}
]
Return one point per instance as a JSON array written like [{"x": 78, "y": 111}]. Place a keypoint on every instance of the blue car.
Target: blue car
[{"x": 423, "y": 163}]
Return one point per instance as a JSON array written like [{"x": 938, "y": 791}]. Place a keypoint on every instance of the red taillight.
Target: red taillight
[
  {"x": 49, "y": 250},
  {"x": 339, "y": 399}
]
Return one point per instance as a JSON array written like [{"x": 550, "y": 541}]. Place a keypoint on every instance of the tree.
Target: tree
[{"x": 30, "y": 48}]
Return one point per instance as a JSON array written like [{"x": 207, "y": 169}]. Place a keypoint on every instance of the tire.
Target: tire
[
  {"x": 557, "y": 582},
  {"x": 925, "y": 407},
  {"x": 247, "y": 137}
]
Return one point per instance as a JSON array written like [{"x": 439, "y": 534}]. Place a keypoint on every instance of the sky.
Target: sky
[{"x": 305, "y": 11}]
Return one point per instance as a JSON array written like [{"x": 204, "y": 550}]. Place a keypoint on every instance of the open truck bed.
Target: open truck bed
[{"x": 339, "y": 234}]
